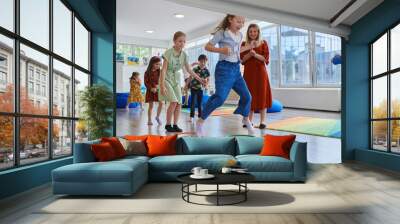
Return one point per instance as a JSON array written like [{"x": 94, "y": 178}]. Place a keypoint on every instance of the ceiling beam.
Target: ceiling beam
[
  {"x": 268, "y": 15},
  {"x": 346, "y": 12}
]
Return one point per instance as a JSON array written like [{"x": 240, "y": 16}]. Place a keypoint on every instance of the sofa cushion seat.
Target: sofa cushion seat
[
  {"x": 132, "y": 158},
  {"x": 257, "y": 163},
  {"x": 184, "y": 163},
  {"x": 112, "y": 171}
]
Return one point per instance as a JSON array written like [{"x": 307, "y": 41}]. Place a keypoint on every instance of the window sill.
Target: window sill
[{"x": 30, "y": 166}]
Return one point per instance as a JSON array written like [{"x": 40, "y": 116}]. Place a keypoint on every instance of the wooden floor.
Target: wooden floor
[
  {"x": 378, "y": 190},
  {"x": 320, "y": 149}
]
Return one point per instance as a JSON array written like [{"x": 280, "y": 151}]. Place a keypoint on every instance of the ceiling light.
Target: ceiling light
[
  {"x": 179, "y": 16},
  {"x": 149, "y": 31}
]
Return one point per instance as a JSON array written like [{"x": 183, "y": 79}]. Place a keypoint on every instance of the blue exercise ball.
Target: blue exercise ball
[
  {"x": 337, "y": 59},
  {"x": 276, "y": 107}
]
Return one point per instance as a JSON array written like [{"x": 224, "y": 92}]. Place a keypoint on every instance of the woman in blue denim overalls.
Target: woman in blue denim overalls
[{"x": 227, "y": 72}]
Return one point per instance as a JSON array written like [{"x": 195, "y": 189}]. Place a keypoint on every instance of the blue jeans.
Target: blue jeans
[{"x": 227, "y": 77}]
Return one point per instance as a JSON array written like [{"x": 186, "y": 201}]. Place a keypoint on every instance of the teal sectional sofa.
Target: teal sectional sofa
[{"x": 125, "y": 176}]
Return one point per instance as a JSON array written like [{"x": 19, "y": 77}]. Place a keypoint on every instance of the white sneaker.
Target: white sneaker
[
  {"x": 191, "y": 120},
  {"x": 249, "y": 126},
  {"x": 199, "y": 128}
]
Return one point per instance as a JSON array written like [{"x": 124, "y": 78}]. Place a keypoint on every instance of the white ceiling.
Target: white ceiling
[
  {"x": 134, "y": 17},
  {"x": 320, "y": 9}
]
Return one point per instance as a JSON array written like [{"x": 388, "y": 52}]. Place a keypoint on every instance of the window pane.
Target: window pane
[
  {"x": 81, "y": 81},
  {"x": 295, "y": 56},
  {"x": 395, "y": 138},
  {"x": 379, "y": 56},
  {"x": 395, "y": 95},
  {"x": 62, "y": 29},
  {"x": 157, "y": 51},
  {"x": 327, "y": 54},
  {"x": 270, "y": 34},
  {"x": 6, "y": 142},
  {"x": 7, "y": 14},
  {"x": 379, "y": 97},
  {"x": 395, "y": 47},
  {"x": 33, "y": 139},
  {"x": 34, "y": 72},
  {"x": 81, "y": 45},
  {"x": 379, "y": 135},
  {"x": 62, "y": 89},
  {"x": 62, "y": 138},
  {"x": 81, "y": 131},
  {"x": 35, "y": 21},
  {"x": 6, "y": 74}
]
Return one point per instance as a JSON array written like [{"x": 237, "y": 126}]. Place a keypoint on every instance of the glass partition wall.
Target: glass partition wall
[{"x": 44, "y": 63}]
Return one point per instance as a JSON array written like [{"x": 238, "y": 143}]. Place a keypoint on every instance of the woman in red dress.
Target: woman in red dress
[
  {"x": 255, "y": 57},
  {"x": 151, "y": 77}
]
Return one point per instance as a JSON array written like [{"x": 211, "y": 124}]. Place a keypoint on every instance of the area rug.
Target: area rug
[
  {"x": 166, "y": 198},
  {"x": 309, "y": 125},
  {"x": 220, "y": 111}
]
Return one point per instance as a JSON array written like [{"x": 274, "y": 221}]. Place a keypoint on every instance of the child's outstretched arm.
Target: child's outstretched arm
[
  {"x": 210, "y": 46},
  {"x": 161, "y": 81},
  {"x": 221, "y": 50},
  {"x": 193, "y": 74}
]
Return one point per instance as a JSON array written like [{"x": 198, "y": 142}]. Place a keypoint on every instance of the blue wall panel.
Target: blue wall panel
[{"x": 356, "y": 85}]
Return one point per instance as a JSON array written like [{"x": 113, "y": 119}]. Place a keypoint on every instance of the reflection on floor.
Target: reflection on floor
[{"x": 320, "y": 149}]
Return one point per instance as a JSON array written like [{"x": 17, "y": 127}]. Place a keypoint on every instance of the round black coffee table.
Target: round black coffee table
[{"x": 238, "y": 179}]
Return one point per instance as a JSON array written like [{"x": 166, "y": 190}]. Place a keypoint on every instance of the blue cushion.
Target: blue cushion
[
  {"x": 83, "y": 153},
  {"x": 122, "y": 100},
  {"x": 257, "y": 163},
  {"x": 207, "y": 145},
  {"x": 185, "y": 163},
  {"x": 248, "y": 145},
  {"x": 95, "y": 172}
]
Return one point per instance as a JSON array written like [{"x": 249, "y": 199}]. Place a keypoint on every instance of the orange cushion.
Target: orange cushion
[
  {"x": 116, "y": 145},
  {"x": 136, "y": 137},
  {"x": 277, "y": 145},
  {"x": 161, "y": 145},
  {"x": 103, "y": 152}
]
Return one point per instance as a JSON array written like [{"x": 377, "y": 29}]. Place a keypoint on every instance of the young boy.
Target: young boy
[{"x": 196, "y": 88}]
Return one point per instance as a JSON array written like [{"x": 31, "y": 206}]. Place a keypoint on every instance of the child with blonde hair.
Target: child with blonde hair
[
  {"x": 175, "y": 59},
  {"x": 134, "y": 94},
  {"x": 228, "y": 37}
]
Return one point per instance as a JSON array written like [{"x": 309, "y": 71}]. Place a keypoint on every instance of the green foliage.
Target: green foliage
[
  {"x": 380, "y": 127},
  {"x": 97, "y": 104}
]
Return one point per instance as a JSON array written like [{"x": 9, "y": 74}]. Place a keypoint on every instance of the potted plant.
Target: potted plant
[{"x": 96, "y": 102}]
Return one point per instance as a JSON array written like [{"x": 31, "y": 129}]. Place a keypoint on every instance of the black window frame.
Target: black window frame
[
  {"x": 388, "y": 74},
  {"x": 16, "y": 114}
]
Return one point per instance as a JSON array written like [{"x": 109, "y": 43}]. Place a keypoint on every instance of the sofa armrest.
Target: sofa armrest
[
  {"x": 83, "y": 152},
  {"x": 298, "y": 155}
]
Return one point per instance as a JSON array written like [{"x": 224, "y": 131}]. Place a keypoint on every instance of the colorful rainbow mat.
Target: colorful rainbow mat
[
  {"x": 309, "y": 125},
  {"x": 221, "y": 111}
]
